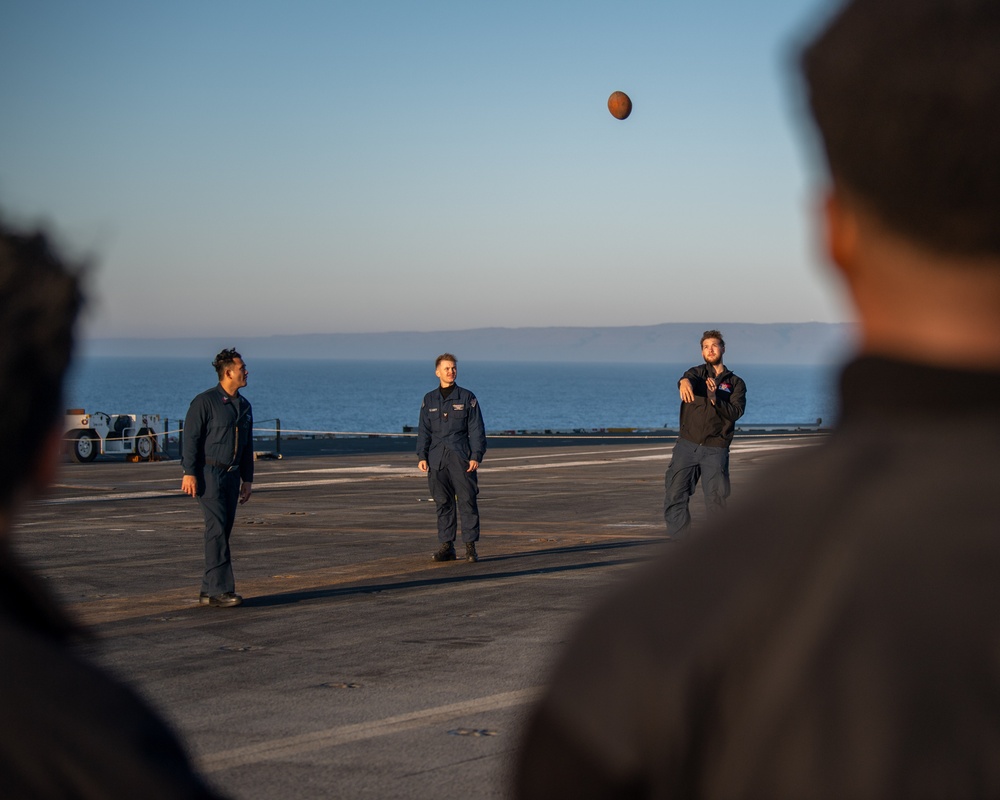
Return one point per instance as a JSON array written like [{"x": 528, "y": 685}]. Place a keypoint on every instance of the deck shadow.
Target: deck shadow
[{"x": 305, "y": 595}]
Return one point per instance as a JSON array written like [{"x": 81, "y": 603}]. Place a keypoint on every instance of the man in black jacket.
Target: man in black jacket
[
  {"x": 68, "y": 730},
  {"x": 451, "y": 443},
  {"x": 712, "y": 399},
  {"x": 218, "y": 469},
  {"x": 842, "y": 638}
]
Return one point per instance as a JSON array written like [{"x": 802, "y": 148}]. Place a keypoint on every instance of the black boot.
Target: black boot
[
  {"x": 446, "y": 552},
  {"x": 470, "y": 552}
]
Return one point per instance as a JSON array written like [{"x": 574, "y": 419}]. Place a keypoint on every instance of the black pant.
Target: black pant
[
  {"x": 452, "y": 486},
  {"x": 690, "y": 463},
  {"x": 219, "y": 497}
]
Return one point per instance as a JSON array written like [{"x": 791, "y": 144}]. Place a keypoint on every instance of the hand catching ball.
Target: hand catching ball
[{"x": 619, "y": 105}]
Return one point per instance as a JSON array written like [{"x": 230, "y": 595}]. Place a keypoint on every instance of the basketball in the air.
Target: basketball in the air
[{"x": 619, "y": 105}]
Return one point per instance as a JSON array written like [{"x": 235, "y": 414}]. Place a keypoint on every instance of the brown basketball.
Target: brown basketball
[{"x": 619, "y": 105}]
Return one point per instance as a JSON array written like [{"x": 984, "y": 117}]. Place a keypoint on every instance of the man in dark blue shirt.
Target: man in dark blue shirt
[
  {"x": 451, "y": 442},
  {"x": 218, "y": 469}
]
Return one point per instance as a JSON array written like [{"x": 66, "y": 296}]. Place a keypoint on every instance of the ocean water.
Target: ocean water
[
  {"x": 383, "y": 396},
  {"x": 324, "y": 396}
]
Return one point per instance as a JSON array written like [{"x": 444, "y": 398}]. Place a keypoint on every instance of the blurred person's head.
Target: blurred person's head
[
  {"x": 40, "y": 298},
  {"x": 905, "y": 94}
]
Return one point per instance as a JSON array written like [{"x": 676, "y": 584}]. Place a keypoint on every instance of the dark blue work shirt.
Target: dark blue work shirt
[
  {"x": 218, "y": 429},
  {"x": 452, "y": 425}
]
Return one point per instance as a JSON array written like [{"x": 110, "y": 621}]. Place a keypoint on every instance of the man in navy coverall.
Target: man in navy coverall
[
  {"x": 712, "y": 399},
  {"x": 451, "y": 442},
  {"x": 218, "y": 469}
]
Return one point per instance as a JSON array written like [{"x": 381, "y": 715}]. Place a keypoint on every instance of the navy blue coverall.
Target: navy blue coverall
[
  {"x": 702, "y": 449},
  {"x": 218, "y": 452},
  {"x": 451, "y": 433}
]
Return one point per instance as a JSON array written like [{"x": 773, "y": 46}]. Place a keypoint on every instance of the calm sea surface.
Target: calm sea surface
[{"x": 383, "y": 396}]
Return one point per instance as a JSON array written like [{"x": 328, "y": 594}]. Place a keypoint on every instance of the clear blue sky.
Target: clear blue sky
[{"x": 239, "y": 167}]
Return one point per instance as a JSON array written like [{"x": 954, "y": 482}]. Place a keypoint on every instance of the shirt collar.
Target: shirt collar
[{"x": 890, "y": 387}]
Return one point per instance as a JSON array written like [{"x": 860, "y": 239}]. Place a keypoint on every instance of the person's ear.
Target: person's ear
[{"x": 841, "y": 231}]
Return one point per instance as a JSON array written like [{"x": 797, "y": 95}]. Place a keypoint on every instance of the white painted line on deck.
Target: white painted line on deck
[
  {"x": 363, "y": 474},
  {"x": 346, "y": 734},
  {"x": 378, "y": 469},
  {"x": 103, "y": 498},
  {"x": 601, "y": 452}
]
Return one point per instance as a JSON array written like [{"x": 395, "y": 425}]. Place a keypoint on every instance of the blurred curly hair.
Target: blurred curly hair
[{"x": 40, "y": 299}]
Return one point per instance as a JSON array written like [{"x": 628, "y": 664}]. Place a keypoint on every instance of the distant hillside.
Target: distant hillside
[{"x": 747, "y": 343}]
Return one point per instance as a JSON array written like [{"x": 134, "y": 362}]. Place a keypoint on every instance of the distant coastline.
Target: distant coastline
[{"x": 748, "y": 343}]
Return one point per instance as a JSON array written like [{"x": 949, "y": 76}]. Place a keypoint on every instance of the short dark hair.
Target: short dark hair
[
  {"x": 225, "y": 360},
  {"x": 445, "y": 357},
  {"x": 905, "y": 94},
  {"x": 712, "y": 335},
  {"x": 40, "y": 298}
]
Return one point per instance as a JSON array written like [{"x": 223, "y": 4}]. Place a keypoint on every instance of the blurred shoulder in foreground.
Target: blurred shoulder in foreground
[{"x": 838, "y": 634}]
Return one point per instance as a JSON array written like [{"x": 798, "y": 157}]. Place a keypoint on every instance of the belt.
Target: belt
[{"x": 224, "y": 467}]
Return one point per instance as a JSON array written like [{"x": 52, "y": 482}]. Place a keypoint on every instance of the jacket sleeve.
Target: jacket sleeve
[
  {"x": 193, "y": 453},
  {"x": 246, "y": 458},
  {"x": 733, "y": 408},
  {"x": 692, "y": 375},
  {"x": 477, "y": 431},
  {"x": 423, "y": 432}
]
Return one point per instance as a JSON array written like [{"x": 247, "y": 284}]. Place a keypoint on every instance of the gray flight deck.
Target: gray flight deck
[{"x": 356, "y": 667}]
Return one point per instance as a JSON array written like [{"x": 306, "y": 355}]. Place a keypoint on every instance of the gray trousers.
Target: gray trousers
[{"x": 690, "y": 463}]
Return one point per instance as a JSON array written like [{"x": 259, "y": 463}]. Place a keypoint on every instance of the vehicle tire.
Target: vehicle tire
[
  {"x": 145, "y": 444},
  {"x": 84, "y": 447}
]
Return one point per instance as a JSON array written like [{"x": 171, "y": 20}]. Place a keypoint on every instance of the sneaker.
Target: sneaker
[
  {"x": 446, "y": 552},
  {"x": 470, "y": 552},
  {"x": 225, "y": 600},
  {"x": 203, "y": 599}
]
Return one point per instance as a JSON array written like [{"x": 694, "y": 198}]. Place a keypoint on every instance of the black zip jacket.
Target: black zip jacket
[{"x": 703, "y": 423}]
